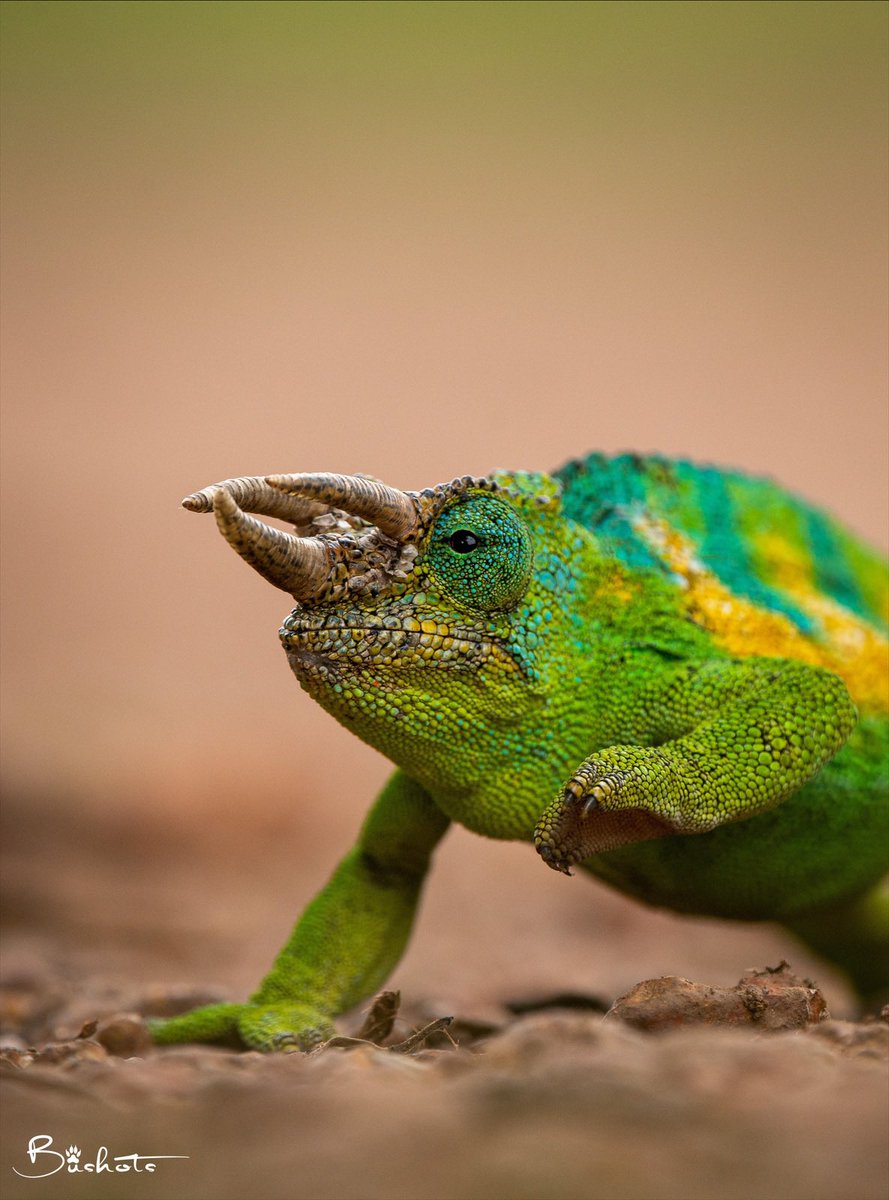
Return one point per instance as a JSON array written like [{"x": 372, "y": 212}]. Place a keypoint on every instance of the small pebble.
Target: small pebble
[{"x": 124, "y": 1035}]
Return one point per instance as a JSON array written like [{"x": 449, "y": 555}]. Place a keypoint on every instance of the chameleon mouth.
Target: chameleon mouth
[{"x": 313, "y": 644}]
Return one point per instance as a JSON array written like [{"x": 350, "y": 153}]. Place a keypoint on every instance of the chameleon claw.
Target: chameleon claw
[
  {"x": 553, "y": 859},
  {"x": 286, "y": 1043}
]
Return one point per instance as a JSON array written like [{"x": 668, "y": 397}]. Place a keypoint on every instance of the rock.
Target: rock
[
  {"x": 125, "y": 1035},
  {"x": 772, "y": 999}
]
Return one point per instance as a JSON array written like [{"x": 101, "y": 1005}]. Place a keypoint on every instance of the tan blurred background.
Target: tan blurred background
[{"x": 416, "y": 240}]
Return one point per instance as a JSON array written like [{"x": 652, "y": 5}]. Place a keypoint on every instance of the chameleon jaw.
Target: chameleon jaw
[{"x": 318, "y": 647}]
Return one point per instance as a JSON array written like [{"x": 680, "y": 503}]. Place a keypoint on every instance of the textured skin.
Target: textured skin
[{"x": 676, "y": 676}]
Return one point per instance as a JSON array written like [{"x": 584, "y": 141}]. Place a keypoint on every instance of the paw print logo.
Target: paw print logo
[{"x": 72, "y": 1156}]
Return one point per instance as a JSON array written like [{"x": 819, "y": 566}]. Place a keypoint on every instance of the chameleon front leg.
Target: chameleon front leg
[
  {"x": 718, "y": 742},
  {"x": 347, "y": 941}
]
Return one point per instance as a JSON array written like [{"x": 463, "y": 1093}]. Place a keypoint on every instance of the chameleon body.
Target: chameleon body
[{"x": 673, "y": 676}]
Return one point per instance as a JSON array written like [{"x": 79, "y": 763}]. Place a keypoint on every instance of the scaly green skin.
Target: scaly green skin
[{"x": 647, "y": 667}]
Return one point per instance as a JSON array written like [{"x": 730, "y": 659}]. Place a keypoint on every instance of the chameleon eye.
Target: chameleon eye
[
  {"x": 480, "y": 553},
  {"x": 463, "y": 541}
]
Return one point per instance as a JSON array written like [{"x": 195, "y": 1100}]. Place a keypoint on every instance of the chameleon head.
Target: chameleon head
[{"x": 412, "y": 623}]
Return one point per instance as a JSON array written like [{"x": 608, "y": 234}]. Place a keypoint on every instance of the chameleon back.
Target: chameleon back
[{"x": 761, "y": 569}]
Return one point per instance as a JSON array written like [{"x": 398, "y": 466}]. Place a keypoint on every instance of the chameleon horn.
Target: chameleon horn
[
  {"x": 298, "y": 565},
  {"x": 393, "y": 512},
  {"x": 252, "y": 494}
]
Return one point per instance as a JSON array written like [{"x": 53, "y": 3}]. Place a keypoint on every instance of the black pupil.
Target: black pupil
[{"x": 463, "y": 541}]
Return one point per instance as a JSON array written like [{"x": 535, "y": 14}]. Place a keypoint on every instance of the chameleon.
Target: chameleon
[{"x": 672, "y": 676}]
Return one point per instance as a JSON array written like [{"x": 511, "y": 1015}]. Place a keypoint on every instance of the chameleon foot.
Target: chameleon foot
[
  {"x": 266, "y": 1027},
  {"x": 283, "y": 1027},
  {"x": 594, "y": 813}
]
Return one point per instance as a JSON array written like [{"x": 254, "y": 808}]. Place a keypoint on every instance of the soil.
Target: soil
[{"x": 707, "y": 1089}]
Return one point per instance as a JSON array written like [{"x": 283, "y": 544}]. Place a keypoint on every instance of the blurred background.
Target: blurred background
[{"x": 416, "y": 240}]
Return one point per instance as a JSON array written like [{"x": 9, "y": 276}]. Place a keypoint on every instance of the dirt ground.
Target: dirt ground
[{"x": 538, "y": 1096}]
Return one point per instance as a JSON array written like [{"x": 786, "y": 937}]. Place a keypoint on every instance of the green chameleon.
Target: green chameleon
[{"x": 674, "y": 676}]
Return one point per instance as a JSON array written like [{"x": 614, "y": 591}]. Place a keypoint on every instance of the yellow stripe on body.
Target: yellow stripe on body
[{"x": 850, "y": 646}]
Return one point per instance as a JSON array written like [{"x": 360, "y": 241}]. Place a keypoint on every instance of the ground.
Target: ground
[{"x": 547, "y": 1090}]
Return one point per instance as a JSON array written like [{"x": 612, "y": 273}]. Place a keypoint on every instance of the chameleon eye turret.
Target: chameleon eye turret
[{"x": 480, "y": 552}]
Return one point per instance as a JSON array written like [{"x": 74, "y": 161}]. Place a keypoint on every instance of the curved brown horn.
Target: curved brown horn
[
  {"x": 298, "y": 565},
  {"x": 252, "y": 494},
  {"x": 393, "y": 512}
]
